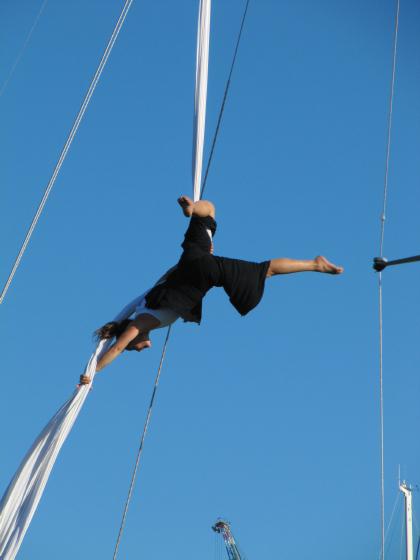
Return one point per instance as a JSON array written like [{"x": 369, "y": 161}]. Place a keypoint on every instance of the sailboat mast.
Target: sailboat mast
[{"x": 407, "y": 491}]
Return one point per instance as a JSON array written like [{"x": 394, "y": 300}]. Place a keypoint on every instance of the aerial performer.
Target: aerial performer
[{"x": 179, "y": 293}]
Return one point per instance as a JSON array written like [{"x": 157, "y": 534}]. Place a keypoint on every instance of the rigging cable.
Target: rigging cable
[
  {"x": 68, "y": 143},
  {"x": 387, "y": 532},
  {"x": 390, "y": 531},
  {"x": 383, "y": 217},
  {"x": 137, "y": 463},
  {"x": 23, "y": 48}
]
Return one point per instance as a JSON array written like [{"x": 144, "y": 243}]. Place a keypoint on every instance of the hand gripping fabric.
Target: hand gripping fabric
[{"x": 22, "y": 496}]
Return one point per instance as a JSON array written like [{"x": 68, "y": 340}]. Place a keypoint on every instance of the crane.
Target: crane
[{"x": 223, "y": 527}]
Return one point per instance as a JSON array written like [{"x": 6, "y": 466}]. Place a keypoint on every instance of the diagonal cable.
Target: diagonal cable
[
  {"x": 68, "y": 143},
  {"x": 23, "y": 48},
  {"x": 137, "y": 463},
  {"x": 388, "y": 143}
]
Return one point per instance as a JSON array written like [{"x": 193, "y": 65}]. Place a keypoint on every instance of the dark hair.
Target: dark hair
[{"x": 111, "y": 329}]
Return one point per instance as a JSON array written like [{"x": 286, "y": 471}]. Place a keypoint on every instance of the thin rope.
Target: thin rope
[
  {"x": 381, "y": 414},
  {"x": 22, "y": 50},
  {"x": 68, "y": 143},
  {"x": 390, "y": 534},
  {"x": 396, "y": 502},
  {"x": 383, "y": 217},
  {"x": 222, "y": 107},
  {"x": 388, "y": 144},
  {"x": 137, "y": 463}
]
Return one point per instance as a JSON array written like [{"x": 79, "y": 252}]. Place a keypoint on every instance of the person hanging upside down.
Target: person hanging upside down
[{"x": 179, "y": 293}]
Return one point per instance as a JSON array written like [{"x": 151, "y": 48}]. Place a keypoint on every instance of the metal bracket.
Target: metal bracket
[{"x": 379, "y": 263}]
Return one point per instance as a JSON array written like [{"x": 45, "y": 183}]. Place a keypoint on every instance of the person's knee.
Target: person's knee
[
  {"x": 143, "y": 345},
  {"x": 270, "y": 270}
]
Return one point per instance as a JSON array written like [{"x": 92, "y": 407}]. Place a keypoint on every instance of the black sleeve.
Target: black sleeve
[{"x": 197, "y": 234}]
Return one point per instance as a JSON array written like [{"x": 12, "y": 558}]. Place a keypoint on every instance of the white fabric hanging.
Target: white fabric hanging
[
  {"x": 200, "y": 98},
  {"x": 22, "y": 496}
]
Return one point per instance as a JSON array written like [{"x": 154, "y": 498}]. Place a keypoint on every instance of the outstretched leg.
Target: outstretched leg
[
  {"x": 201, "y": 208},
  {"x": 289, "y": 266}
]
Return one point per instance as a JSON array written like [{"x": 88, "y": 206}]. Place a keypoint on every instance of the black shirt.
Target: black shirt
[{"x": 198, "y": 271}]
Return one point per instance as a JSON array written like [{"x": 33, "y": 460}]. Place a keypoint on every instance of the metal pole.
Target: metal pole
[{"x": 406, "y": 490}]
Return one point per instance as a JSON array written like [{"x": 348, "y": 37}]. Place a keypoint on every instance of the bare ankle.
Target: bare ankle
[{"x": 316, "y": 266}]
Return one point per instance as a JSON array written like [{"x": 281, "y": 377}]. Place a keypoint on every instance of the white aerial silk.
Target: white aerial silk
[
  {"x": 22, "y": 496},
  {"x": 200, "y": 98}
]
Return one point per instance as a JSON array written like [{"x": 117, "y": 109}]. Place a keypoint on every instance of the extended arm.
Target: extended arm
[
  {"x": 115, "y": 350},
  {"x": 119, "y": 346},
  {"x": 143, "y": 324}
]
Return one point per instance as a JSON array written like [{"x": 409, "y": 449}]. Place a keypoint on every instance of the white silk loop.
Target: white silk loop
[{"x": 200, "y": 98}]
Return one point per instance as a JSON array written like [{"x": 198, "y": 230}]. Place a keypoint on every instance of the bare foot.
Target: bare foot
[
  {"x": 322, "y": 265},
  {"x": 186, "y": 204}
]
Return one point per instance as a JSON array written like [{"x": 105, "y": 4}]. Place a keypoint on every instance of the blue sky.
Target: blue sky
[{"x": 271, "y": 420}]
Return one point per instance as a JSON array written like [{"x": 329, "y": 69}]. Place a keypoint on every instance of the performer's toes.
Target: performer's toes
[{"x": 186, "y": 204}]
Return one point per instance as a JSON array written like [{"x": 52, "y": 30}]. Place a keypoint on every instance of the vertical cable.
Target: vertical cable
[
  {"x": 388, "y": 144},
  {"x": 383, "y": 217},
  {"x": 381, "y": 416}
]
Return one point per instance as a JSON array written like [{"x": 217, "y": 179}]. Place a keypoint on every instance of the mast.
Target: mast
[
  {"x": 407, "y": 491},
  {"x": 223, "y": 527}
]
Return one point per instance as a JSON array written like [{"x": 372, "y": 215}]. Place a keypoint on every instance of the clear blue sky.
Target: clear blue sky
[{"x": 269, "y": 420}]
